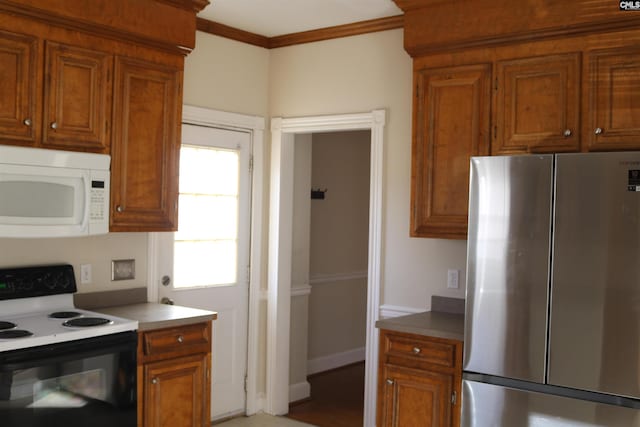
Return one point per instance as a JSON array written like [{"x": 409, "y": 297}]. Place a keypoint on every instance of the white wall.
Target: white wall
[
  {"x": 227, "y": 75},
  {"x": 95, "y": 250},
  {"x": 357, "y": 74}
]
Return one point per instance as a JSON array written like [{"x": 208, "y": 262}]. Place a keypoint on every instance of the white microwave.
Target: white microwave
[{"x": 52, "y": 193}]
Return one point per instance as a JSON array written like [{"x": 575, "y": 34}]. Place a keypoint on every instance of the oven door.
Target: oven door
[{"x": 90, "y": 382}]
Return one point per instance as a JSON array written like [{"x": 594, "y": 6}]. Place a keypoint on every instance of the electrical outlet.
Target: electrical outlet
[
  {"x": 85, "y": 274},
  {"x": 453, "y": 277},
  {"x": 123, "y": 269}
]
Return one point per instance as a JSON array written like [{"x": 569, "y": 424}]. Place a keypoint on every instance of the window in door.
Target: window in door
[{"x": 208, "y": 245}]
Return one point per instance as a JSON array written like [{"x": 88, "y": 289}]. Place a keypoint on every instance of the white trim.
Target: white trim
[
  {"x": 317, "y": 279},
  {"x": 300, "y": 290},
  {"x": 204, "y": 116},
  {"x": 299, "y": 391},
  {"x": 336, "y": 360},
  {"x": 387, "y": 310},
  {"x": 254, "y": 125},
  {"x": 152, "y": 267},
  {"x": 280, "y": 244}
]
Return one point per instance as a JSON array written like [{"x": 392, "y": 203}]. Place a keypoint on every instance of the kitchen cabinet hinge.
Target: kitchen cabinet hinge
[
  {"x": 454, "y": 398},
  {"x": 245, "y": 382},
  {"x": 250, "y": 164}
]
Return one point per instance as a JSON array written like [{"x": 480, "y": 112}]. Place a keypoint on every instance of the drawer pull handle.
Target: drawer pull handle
[
  {"x": 567, "y": 133},
  {"x": 389, "y": 381},
  {"x": 180, "y": 338},
  {"x": 54, "y": 125},
  {"x": 154, "y": 381},
  {"x": 27, "y": 122},
  {"x": 416, "y": 350},
  {"x": 598, "y": 131}
]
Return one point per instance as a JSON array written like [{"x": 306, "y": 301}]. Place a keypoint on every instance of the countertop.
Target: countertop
[
  {"x": 430, "y": 323},
  {"x": 156, "y": 316}
]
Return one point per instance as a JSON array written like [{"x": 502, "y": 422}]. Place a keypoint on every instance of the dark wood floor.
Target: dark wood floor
[{"x": 337, "y": 399}]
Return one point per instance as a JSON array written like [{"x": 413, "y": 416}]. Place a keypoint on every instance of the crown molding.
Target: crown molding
[
  {"x": 357, "y": 28},
  {"x": 192, "y": 5},
  {"x": 228, "y": 32}
]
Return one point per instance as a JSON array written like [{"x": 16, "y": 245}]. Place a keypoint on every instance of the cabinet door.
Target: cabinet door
[
  {"x": 176, "y": 392},
  {"x": 614, "y": 80},
  {"x": 416, "y": 398},
  {"x": 19, "y": 118},
  {"x": 537, "y": 105},
  {"x": 77, "y": 98},
  {"x": 451, "y": 124},
  {"x": 146, "y": 147}
]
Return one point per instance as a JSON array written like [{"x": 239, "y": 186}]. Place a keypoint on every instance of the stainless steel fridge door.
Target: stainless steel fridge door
[
  {"x": 508, "y": 266},
  {"x": 488, "y": 405},
  {"x": 595, "y": 304}
]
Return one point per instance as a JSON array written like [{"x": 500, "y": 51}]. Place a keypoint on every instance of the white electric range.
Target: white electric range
[{"x": 36, "y": 308}]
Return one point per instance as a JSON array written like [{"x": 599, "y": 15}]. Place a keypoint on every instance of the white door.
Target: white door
[{"x": 207, "y": 259}]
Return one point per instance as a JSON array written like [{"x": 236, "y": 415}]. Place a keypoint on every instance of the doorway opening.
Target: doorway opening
[
  {"x": 329, "y": 275},
  {"x": 284, "y": 134}
]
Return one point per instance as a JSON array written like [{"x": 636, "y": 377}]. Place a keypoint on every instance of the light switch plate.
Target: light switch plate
[
  {"x": 123, "y": 269},
  {"x": 452, "y": 279}
]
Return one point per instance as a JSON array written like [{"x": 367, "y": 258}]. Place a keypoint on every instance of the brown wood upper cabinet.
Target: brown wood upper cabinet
[
  {"x": 146, "y": 144},
  {"x": 614, "y": 120},
  {"x": 537, "y": 105},
  {"x": 77, "y": 98},
  {"x": 19, "y": 76},
  {"x": 451, "y": 124},
  {"x": 65, "y": 105}
]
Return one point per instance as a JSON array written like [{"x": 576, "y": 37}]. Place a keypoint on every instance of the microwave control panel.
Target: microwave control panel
[{"x": 98, "y": 203}]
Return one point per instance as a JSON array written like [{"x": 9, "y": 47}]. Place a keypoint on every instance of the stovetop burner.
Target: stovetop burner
[
  {"x": 15, "y": 333},
  {"x": 64, "y": 314},
  {"x": 7, "y": 325},
  {"x": 87, "y": 321}
]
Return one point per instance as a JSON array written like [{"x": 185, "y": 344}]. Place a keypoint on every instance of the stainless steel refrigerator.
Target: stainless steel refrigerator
[{"x": 552, "y": 326}]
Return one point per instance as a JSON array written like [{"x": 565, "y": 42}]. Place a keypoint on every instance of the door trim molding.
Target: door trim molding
[
  {"x": 255, "y": 126},
  {"x": 283, "y": 132}
]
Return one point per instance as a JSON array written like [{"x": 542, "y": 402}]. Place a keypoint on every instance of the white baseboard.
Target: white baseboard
[
  {"x": 299, "y": 391},
  {"x": 336, "y": 360},
  {"x": 387, "y": 310}
]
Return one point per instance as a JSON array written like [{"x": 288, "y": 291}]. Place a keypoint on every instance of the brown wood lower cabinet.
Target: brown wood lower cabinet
[
  {"x": 419, "y": 381},
  {"x": 174, "y": 381}
]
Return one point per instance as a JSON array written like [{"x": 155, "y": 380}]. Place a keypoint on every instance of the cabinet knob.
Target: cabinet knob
[
  {"x": 54, "y": 125},
  {"x": 389, "y": 381},
  {"x": 416, "y": 350},
  {"x": 180, "y": 338},
  {"x": 598, "y": 131},
  {"x": 27, "y": 122},
  {"x": 119, "y": 209},
  {"x": 567, "y": 133},
  {"x": 154, "y": 381}
]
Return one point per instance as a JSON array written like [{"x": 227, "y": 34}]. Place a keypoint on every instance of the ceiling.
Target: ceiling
[{"x": 272, "y": 18}]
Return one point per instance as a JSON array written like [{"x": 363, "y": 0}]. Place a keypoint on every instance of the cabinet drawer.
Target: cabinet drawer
[
  {"x": 421, "y": 349},
  {"x": 180, "y": 339}
]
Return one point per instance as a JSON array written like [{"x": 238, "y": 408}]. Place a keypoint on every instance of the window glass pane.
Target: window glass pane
[
  {"x": 207, "y": 217},
  {"x": 203, "y": 263},
  {"x": 205, "y": 247},
  {"x": 205, "y": 170}
]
